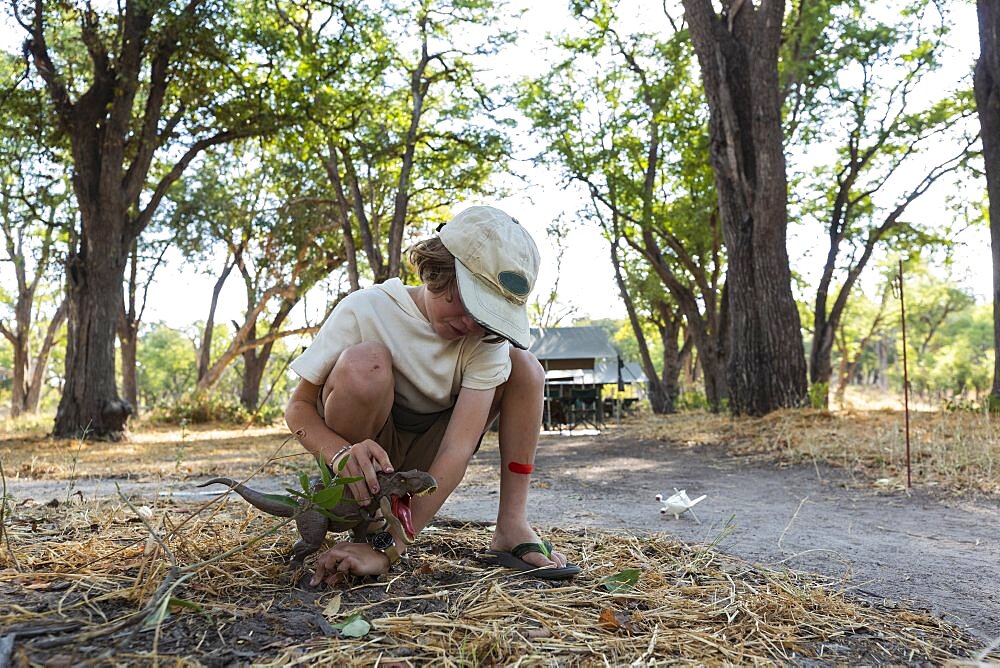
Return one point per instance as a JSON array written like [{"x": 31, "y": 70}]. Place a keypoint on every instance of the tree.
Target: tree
[
  {"x": 34, "y": 217},
  {"x": 621, "y": 116},
  {"x": 141, "y": 271},
  {"x": 138, "y": 94},
  {"x": 166, "y": 365},
  {"x": 250, "y": 202},
  {"x": 738, "y": 57},
  {"x": 417, "y": 132},
  {"x": 987, "y": 89},
  {"x": 887, "y": 144},
  {"x": 549, "y": 312}
]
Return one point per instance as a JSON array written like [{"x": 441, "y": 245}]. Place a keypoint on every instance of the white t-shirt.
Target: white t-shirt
[{"x": 429, "y": 370}]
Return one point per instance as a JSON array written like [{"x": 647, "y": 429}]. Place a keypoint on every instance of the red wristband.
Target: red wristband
[{"x": 515, "y": 467}]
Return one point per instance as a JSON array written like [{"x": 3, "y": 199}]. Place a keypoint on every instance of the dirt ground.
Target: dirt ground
[{"x": 922, "y": 549}]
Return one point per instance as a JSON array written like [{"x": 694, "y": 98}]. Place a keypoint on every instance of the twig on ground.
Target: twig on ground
[{"x": 790, "y": 520}]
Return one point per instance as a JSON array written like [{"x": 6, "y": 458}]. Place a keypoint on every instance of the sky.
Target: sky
[{"x": 586, "y": 282}]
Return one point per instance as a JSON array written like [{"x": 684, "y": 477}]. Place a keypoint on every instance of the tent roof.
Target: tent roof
[{"x": 559, "y": 343}]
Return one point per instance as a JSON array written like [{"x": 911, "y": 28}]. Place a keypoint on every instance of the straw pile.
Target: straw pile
[
  {"x": 959, "y": 451},
  {"x": 111, "y": 583}
]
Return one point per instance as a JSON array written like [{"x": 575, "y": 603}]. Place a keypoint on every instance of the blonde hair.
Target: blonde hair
[{"x": 435, "y": 265}]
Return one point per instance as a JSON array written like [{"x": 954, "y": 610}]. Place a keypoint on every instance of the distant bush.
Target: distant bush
[{"x": 203, "y": 408}]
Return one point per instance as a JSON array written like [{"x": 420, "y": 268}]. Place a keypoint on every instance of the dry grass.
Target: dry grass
[
  {"x": 83, "y": 572},
  {"x": 152, "y": 452},
  {"x": 958, "y": 451}
]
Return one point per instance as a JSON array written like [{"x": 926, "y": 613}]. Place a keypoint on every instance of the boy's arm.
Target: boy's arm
[
  {"x": 308, "y": 425},
  {"x": 315, "y": 436},
  {"x": 468, "y": 420}
]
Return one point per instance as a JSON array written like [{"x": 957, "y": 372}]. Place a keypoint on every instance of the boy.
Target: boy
[{"x": 403, "y": 377}]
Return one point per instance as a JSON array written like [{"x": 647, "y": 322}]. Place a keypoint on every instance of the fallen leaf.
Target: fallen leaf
[
  {"x": 424, "y": 569},
  {"x": 354, "y": 626},
  {"x": 332, "y": 608},
  {"x": 609, "y": 620},
  {"x": 622, "y": 581}
]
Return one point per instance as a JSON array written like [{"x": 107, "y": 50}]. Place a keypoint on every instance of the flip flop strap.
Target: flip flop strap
[{"x": 544, "y": 548}]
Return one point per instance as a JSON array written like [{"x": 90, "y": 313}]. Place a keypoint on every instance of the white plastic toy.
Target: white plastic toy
[{"x": 678, "y": 504}]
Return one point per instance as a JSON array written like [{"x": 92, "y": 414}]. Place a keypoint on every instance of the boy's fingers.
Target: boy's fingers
[
  {"x": 383, "y": 460},
  {"x": 318, "y": 576}
]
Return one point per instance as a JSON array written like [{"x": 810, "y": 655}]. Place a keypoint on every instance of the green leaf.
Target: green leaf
[
  {"x": 354, "y": 626},
  {"x": 329, "y": 496},
  {"x": 342, "y": 464},
  {"x": 622, "y": 581},
  {"x": 348, "y": 480},
  {"x": 324, "y": 471},
  {"x": 304, "y": 481},
  {"x": 181, "y": 603},
  {"x": 297, "y": 493}
]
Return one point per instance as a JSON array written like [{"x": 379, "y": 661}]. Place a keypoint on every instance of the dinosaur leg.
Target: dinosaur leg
[
  {"x": 312, "y": 528},
  {"x": 302, "y": 549}
]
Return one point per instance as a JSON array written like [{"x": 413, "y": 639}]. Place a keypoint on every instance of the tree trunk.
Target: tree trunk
[
  {"x": 128, "y": 340},
  {"x": 738, "y": 56},
  {"x": 41, "y": 362},
  {"x": 18, "y": 391},
  {"x": 987, "y": 88},
  {"x": 669, "y": 327},
  {"x": 254, "y": 362},
  {"x": 90, "y": 406},
  {"x": 205, "y": 351}
]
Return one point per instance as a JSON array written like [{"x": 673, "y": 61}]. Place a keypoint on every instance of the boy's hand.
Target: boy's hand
[
  {"x": 345, "y": 557},
  {"x": 364, "y": 459}
]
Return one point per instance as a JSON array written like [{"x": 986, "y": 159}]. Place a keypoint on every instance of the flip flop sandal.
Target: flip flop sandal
[{"x": 513, "y": 561}]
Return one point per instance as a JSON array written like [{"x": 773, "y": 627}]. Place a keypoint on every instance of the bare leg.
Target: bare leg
[
  {"x": 358, "y": 394},
  {"x": 519, "y": 403}
]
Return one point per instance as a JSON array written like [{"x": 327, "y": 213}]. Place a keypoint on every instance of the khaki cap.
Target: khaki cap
[{"x": 496, "y": 264}]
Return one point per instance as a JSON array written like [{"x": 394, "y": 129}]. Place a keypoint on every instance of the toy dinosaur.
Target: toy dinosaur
[{"x": 393, "y": 499}]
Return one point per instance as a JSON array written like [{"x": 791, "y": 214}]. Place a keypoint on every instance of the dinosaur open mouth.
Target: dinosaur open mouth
[{"x": 401, "y": 509}]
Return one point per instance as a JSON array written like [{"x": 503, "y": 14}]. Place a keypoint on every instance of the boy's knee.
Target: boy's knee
[
  {"x": 526, "y": 370},
  {"x": 365, "y": 368}
]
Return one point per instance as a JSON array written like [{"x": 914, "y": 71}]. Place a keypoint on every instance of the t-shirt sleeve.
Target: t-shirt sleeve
[
  {"x": 487, "y": 367},
  {"x": 339, "y": 332}
]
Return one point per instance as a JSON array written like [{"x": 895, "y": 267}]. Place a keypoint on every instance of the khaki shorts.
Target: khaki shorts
[
  {"x": 412, "y": 440},
  {"x": 412, "y": 449}
]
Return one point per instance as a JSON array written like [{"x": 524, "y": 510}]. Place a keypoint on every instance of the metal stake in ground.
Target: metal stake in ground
[{"x": 906, "y": 376}]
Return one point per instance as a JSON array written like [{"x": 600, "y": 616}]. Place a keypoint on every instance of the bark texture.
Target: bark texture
[
  {"x": 738, "y": 56},
  {"x": 987, "y": 87}
]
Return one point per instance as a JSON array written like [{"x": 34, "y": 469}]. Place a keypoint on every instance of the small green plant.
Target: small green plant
[
  {"x": 354, "y": 626},
  {"x": 6, "y": 511},
  {"x": 819, "y": 394},
  {"x": 325, "y": 497}
]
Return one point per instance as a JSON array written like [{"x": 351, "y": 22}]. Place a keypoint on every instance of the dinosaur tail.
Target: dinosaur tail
[{"x": 255, "y": 498}]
